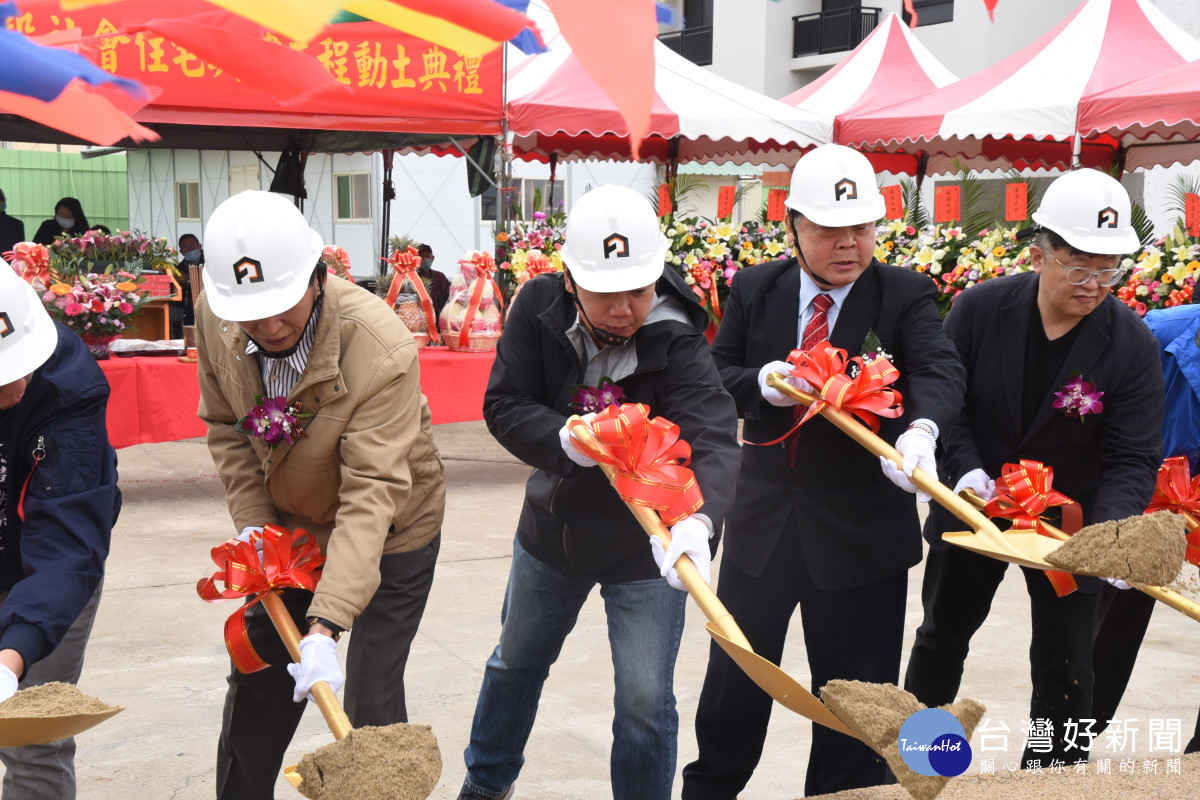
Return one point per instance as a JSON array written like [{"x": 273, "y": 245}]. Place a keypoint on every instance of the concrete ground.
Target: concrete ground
[{"x": 157, "y": 648}]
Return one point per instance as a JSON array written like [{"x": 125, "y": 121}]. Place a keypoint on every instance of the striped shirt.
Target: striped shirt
[{"x": 280, "y": 375}]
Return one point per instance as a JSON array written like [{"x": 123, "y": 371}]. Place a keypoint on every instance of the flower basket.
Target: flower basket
[
  {"x": 470, "y": 321},
  {"x": 422, "y": 339},
  {"x": 476, "y": 342}
]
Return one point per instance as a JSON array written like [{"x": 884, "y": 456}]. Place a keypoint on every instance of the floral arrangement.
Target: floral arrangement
[
  {"x": 1163, "y": 274},
  {"x": 337, "y": 261},
  {"x": 594, "y": 399},
  {"x": 708, "y": 255},
  {"x": 96, "y": 253},
  {"x": 1078, "y": 398},
  {"x": 523, "y": 241},
  {"x": 274, "y": 421}
]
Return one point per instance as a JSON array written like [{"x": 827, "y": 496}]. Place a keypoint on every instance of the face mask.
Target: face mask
[
  {"x": 426, "y": 264},
  {"x": 192, "y": 256},
  {"x": 65, "y": 223}
]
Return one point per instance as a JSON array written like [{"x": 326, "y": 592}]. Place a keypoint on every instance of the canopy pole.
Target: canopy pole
[
  {"x": 1076, "y": 148},
  {"x": 389, "y": 194},
  {"x": 550, "y": 193}
]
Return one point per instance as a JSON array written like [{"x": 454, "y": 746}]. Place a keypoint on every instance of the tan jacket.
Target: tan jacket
[{"x": 367, "y": 480}]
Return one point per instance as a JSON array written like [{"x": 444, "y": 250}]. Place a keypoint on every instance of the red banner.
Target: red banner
[
  {"x": 664, "y": 200},
  {"x": 374, "y": 69},
  {"x": 726, "y": 196},
  {"x": 947, "y": 203},
  {"x": 776, "y": 210},
  {"x": 1192, "y": 213},
  {"x": 893, "y": 200},
  {"x": 1016, "y": 201}
]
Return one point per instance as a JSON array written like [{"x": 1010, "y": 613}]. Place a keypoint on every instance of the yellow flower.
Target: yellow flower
[
  {"x": 126, "y": 286},
  {"x": 723, "y": 231},
  {"x": 880, "y": 253},
  {"x": 501, "y": 237},
  {"x": 998, "y": 251},
  {"x": 60, "y": 289},
  {"x": 688, "y": 240},
  {"x": 774, "y": 248},
  {"x": 1192, "y": 266},
  {"x": 690, "y": 259},
  {"x": 718, "y": 251},
  {"x": 1166, "y": 278},
  {"x": 889, "y": 245}
]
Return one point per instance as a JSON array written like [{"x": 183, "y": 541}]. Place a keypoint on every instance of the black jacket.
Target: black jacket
[
  {"x": 572, "y": 519},
  {"x": 53, "y": 562},
  {"x": 12, "y": 231},
  {"x": 856, "y": 527},
  {"x": 1108, "y": 461}
]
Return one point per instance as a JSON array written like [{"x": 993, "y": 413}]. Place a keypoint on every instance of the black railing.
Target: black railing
[
  {"x": 694, "y": 44},
  {"x": 832, "y": 31}
]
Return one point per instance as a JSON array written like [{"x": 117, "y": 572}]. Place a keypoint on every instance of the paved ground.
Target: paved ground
[{"x": 157, "y": 648}]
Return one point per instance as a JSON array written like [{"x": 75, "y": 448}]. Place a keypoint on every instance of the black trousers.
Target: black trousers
[
  {"x": 957, "y": 595},
  {"x": 853, "y": 633},
  {"x": 1121, "y": 622},
  {"x": 260, "y": 717}
]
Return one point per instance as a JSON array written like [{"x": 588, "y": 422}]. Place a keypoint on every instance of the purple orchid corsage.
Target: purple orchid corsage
[
  {"x": 1078, "y": 397},
  {"x": 273, "y": 421},
  {"x": 594, "y": 399}
]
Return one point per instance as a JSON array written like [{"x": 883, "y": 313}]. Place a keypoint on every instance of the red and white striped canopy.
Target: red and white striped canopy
[
  {"x": 1023, "y": 110},
  {"x": 889, "y": 66},
  {"x": 555, "y": 107},
  {"x": 1156, "y": 119}
]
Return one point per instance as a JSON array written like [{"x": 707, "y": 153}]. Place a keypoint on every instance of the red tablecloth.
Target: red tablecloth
[{"x": 155, "y": 399}]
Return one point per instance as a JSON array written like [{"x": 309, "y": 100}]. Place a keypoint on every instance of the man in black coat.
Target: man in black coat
[
  {"x": 1023, "y": 339},
  {"x": 828, "y": 531},
  {"x": 54, "y": 529},
  {"x": 614, "y": 314},
  {"x": 12, "y": 230}
]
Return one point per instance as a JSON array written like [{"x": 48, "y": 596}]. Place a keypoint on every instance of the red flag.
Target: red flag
[
  {"x": 614, "y": 42},
  {"x": 991, "y": 7}
]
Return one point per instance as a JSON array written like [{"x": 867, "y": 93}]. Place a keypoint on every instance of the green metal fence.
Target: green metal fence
[{"x": 33, "y": 181}]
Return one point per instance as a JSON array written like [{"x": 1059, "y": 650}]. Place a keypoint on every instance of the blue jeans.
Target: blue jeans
[{"x": 541, "y": 604}]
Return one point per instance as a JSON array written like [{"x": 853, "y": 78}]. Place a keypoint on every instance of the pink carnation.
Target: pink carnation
[{"x": 73, "y": 309}]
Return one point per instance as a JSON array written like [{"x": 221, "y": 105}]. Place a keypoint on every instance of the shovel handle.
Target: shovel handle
[
  {"x": 929, "y": 484},
  {"x": 331, "y": 709},
  {"x": 1162, "y": 594},
  {"x": 689, "y": 576}
]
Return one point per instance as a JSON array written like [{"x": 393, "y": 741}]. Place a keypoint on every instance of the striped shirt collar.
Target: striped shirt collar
[{"x": 280, "y": 375}]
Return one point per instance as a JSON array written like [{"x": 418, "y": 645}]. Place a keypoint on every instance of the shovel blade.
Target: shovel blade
[
  {"x": 292, "y": 775},
  {"x": 22, "y": 731},
  {"x": 1030, "y": 548},
  {"x": 782, "y": 687}
]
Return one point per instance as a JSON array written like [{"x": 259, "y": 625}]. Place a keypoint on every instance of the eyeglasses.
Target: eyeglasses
[{"x": 1078, "y": 276}]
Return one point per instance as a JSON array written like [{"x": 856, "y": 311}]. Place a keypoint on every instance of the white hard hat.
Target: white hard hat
[
  {"x": 259, "y": 255},
  {"x": 27, "y": 333},
  {"x": 835, "y": 186},
  {"x": 1090, "y": 211},
  {"x": 613, "y": 242}
]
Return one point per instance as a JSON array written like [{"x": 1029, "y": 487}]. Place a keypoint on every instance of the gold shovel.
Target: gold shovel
[
  {"x": 721, "y": 625},
  {"x": 321, "y": 692},
  {"x": 1055, "y": 536}
]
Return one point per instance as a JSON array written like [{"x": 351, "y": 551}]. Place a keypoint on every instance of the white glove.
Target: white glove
[
  {"x": 567, "y": 441},
  {"x": 1117, "y": 582},
  {"x": 773, "y": 395},
  {"x": 318, "y": 662},
  {"x": 978, "y": 482},
  {"x": 252, "y": 535},
  {"x": 916, "y": 448},
  {"x": 8, "y": 683},
  {"x": 688, "y": 536}
]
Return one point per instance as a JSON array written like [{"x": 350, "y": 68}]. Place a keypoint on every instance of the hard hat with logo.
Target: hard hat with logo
[
  {"x": 835, "y": 186},
  {"x": 259, "y": 254},
  {"x": 27, "y": 333},
  {"x": 613, "y": 242},
  {"x": 1090, "y": 211}
]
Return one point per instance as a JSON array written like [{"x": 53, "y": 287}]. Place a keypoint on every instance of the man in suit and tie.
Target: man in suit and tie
[
  {"x": 814, "y": 521},
  {"x": 1023, "y": 339}
]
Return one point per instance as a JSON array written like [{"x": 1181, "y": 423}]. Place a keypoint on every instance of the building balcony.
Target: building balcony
[
  {"x": 832, "y": 31},
  {"x": 694, "y": 44}
]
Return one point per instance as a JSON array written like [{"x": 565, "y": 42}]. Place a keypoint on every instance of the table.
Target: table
[{"x": 154, "y": 398}]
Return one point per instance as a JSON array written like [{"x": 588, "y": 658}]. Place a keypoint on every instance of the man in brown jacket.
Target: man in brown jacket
[{"x": 365, "y": 477}]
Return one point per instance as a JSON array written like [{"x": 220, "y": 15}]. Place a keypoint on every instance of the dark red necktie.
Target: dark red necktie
[{"x": 815, "y": 332}]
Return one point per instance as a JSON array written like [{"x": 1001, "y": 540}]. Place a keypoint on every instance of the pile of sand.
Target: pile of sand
[
  {"x": 51, "y": 700},
  {"x": 1147, "y": 549},
  {"x": 1069, "y": 785},
  {"x": 393, "y": 762},
  {"x": 876, "y": 711}
]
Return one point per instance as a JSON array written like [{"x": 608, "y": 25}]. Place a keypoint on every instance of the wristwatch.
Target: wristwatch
[{"x": 337, "y": 629}]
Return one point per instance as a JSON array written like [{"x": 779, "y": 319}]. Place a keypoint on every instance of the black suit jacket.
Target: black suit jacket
[
  {"x": 12, "y": 231},
  {"x": 856, "y": 527},
  {"x": 1105, "y": 461}
]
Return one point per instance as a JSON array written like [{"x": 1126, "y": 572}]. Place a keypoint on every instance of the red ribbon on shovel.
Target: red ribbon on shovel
[
  {"x": 1023, "y": 494},
  {"x": 651, "y": 460},
  {"x": 289, "y": 560},
  {"x": 1176, "y": 490}
]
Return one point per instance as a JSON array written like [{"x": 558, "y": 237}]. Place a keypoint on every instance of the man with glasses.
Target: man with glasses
[{"x": 1024, "y": 339}]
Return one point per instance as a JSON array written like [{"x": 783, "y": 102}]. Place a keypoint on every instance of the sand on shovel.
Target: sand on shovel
[
  {"x": 1147, "y": 549},
  {"x": 52, "y": 700},
  {"x": 876, "y": 712},
  {"x": 390, "y": 762}
]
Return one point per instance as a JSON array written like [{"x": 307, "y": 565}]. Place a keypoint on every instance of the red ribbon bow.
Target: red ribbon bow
[
  {"x": 868, "y": 395},
  {"x": 407, "y": 265},
  {"x": 1176, "y": 490},
  {"x": 651, "y": 460},
  {"x": 289, "y": 559},
  {"x": 478, "y": 269},
  {"x": 35, "y": 262},
  {"x": 1023, "y": 494},
  {"x": 536, "y": 264}
]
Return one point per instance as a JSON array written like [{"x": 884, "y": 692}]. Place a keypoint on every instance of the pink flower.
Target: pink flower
[
  {"x": 73, "y": 309},
  {"x": 1078, "y": 397},
  {"x": 125, "y": 308}
]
